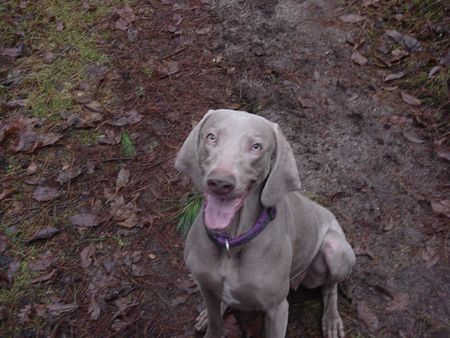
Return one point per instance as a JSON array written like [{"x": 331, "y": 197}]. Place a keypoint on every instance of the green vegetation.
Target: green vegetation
[{"x": 189, "y": 211}]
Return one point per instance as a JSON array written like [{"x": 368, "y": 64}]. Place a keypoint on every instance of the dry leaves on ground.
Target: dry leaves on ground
[{"x": 44, "y": 194}]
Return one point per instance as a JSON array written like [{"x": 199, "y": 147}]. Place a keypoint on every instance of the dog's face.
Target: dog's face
[{"x": 230, "y": 152}]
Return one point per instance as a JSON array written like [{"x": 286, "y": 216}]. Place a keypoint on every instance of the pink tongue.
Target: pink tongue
[{"x": 219, "y": 212}]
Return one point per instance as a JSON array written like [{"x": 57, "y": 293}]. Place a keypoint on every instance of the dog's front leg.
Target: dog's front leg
[
  {"x": 276, "y": 320},
  {"x": 214, "y": 314}
]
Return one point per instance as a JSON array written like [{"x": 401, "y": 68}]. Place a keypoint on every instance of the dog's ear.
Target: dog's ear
[
  {"x": 283, "y": 176},
  {"x": 187, "y": 160}
]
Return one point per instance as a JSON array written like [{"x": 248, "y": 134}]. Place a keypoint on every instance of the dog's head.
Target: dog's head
[{"x": 230, "y": 152}]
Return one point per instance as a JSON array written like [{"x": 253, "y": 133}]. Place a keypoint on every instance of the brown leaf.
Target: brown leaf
[
  {"x": 122, "y": 179},
  {"x": 94, "y": 106},
  {"x": 398, "y": 54},
  {"x": 13, "y": 268},
  {"x": 59, "y": 25},
  {"x": 43, "y": 278},
  {"x": 368, "y": 317},
  {"x": 126, "y": 17},
  {"x": 441, "y": 207},
  {"x": 352, "y": 18},
  {"x": 409, "y": 99},
  {"x": 57, "y": 309},
  {"x": 408, "y": 41},
  {"x": 399, "y": 303},
  {"x": 32, "y": 168},
  {"x": 430, "y": 256},
  {"x": 43, "y": 234},
  {"x": 131, "y": 117},
  {"x": 12, "y": 52},
  {"x": 109, "y": 137},
  {"x": 368, "y": 3},
  {"x": 394, "y": 76},
  {"x": 443, "y": 152},
  {"x": 24, "y": 314},
  {"x": 203, "y": 31},
  {"x": 84, "y": 220},
  {"x": 44, "y": 194},
  {"x": 42, "y": 263},
  {"x": 231, "y": 327},
  {"x": 3, "y": 243},
  {"x": 358, "y": 59},
  {"x": 86, "y": 256},
  {"x": 305, "y": 102},
  {"x": 94, "y": 309},
  {"x": 169, "y": 68},
  {"x": 6, "y": 193},
  {"x": 67, "y": 175},
  {"x": 414, "y": 136},
  {"x": 179, "y": 300}
]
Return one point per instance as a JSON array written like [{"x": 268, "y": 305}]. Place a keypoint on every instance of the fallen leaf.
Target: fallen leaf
[
  {"x": 126, "y": 17},
  {"x": 42, "y": 263},
  {"x": 109, "y": 265},
  {"x": 409, "y": 99},
  {"x": 59, "y": 25},
  {"x": 122, "y": 179},
  {"x": 86, "y": 256},
  {"x": 411, "y": 43},
  {"x": 43, "y": 278},
  {"x": 400, "y": 302},
  {"x": 57, "y": 309},
  {"x": 6, "y": 193},
  {"x": 131, "y": 117},
  {"x": 24, "y": 314},
  {"x": 32, "y": 168},
  {"x": 394, "y": 76},
  {"x": 43, "y": 234},
  {"x": 86, "y": 220},
  {"x": 434, "y": 71},
  {"x": 368, "y": 317},
  {"x": 109, "y": 137},
  {"x": 44, "y": 194},
  {"x": 358, "y": 59},
  {"x": 305, "y": 102},
  {"x": 204, "y": 30},
  {"x": 179, "y": 300},
  {"x": 441, "y": 207},
  {"x": 443, "y": 152},
  {"x": 231, "y": 327},
  {"x": 414, "y": 136},
  {"x": 398, "y": 54},
  {"x": 13, "y": 268},
  {"x": 368, "y": 3},
  {"x": 94, "y": 309},
  {"x": 12, "y": 52},
  {"x": 352, "y": 18},
  {"x": 169, "y": 68},
  {"x": 430, "y": 256},
  {"x": 125, "y": 214},
  {"x": 139, "y": 271},
  {"x": 3, "y": 243},
  {"x": 66, "y": 175},
  {"x": 94, "y": 106}
]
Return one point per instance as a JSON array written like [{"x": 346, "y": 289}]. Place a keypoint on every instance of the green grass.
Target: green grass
[
  {"x": 20, "y": 285},
  {"x": 189, "y": 211},
  {"x": 47, "y": 85},
  {"x": 127, "y": 146}
]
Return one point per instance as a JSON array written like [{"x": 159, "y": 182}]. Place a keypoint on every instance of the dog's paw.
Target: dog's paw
[
  {"x": 201, "y": 323},
  {"x": 332, "y": 327}
]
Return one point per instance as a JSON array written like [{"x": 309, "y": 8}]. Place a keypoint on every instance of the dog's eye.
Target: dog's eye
[
  {"x": 257, "y": 147},
  {"x": 210, "y": 137}
]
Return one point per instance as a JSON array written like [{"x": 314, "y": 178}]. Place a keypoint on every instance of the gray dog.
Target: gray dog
[{"x": 256, "y": 235}]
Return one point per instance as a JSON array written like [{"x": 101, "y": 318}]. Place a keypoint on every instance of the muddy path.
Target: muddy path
[{"x": 358, "y": 150}]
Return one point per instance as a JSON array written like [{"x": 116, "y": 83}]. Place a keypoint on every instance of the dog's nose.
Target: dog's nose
[{"x": 221, "y": 186}]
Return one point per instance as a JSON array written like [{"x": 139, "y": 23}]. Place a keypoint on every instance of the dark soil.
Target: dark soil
[{"x": 290, "y": 62}]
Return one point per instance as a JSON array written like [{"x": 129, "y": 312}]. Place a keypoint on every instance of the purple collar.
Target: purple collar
[{"x": 224, "y": 240}]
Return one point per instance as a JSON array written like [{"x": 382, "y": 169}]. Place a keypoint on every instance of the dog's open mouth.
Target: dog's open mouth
[{"x": 219, "y": 212}]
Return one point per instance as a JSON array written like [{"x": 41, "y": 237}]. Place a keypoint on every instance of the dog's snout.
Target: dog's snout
[{"x": 221, "y": 185}]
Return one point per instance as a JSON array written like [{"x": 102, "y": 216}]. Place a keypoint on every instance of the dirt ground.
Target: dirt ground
[{"x": 359, "y": 150}]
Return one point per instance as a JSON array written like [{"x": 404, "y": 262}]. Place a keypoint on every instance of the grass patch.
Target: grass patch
[
  {"x": 424, "y": 20},
  {"x": 186, "y": 216},
  {"x": 20, "y": 286},
  {"x": 59, "y": 39}
]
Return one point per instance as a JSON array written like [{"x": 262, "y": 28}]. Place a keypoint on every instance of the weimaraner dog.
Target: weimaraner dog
[{"x": 256, "y": 235}]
